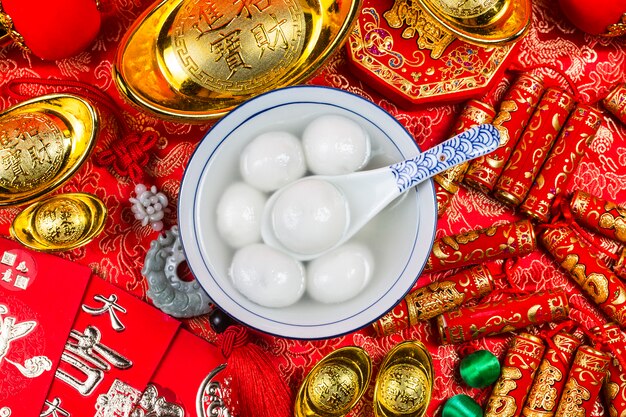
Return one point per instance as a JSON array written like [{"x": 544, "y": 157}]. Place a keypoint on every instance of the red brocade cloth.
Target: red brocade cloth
[{"x": 593, "y": 64}]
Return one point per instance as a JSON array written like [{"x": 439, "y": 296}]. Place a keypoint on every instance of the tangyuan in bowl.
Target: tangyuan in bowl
[{"x": 400, "y": 238}]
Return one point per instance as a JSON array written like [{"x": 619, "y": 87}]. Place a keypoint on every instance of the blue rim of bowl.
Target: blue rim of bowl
[{"x": 195, "y": 242}]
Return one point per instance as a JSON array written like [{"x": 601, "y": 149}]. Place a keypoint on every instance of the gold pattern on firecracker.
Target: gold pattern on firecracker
[
  {"x": 518, "y": 371},
  {"x": 595, "y": 284},
  {"x": 615, "y": 102},
  {"x": 61, "y": 222},
  {"x": 335, "y": 384},
  {"x": 405, "y": 381},
  {"x": 617, "y": 29},
  {"x": 43, "y": 142},
  {"x": 583, "y": 382}
]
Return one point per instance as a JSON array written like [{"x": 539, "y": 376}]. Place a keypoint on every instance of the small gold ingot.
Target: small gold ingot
[
  {"x": 61, "y": 222},
  {"x": 405, "y": 381},
  {"x": 482, "y": 22},
  {"x": 194, "y": 60},
  {"x": 43, "y": 142},
  {"x": 335, "y": 384}
]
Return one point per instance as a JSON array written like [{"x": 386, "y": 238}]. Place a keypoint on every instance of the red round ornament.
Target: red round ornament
[
  {"x": 602, "y": 17},
  {"x": 54, "y": 29}
]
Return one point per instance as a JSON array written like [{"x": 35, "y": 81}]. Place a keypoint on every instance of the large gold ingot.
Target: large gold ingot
[
  {"x": 61, "y": 222},
  {"x": 194, "y": 60},
  {"x": 482, "y": 22},
  {"x": 335, "y": 384},
  {"x": 43, "y": 142},
  {"x": 405, "y": 381}
]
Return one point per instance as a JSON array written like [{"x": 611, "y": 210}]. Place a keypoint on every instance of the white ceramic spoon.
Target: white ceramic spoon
[{"x": 368, "y": 192}]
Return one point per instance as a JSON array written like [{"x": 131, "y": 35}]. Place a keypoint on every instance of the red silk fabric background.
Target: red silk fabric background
[{"x": 594, "y": 64}]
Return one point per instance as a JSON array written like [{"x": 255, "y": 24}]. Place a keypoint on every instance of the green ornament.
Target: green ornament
[
  {"x": 461, "y": 406},
  {"x": 480, "y": 369}
]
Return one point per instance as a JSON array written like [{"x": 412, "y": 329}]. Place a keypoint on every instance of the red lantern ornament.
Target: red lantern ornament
[
  {"x": 50, "y": 29},
  {"x": 602, "y": 17}
]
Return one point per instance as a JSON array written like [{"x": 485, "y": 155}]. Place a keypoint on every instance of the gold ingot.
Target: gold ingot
[
  {"x": 43, "y": 142},
  {"x": 194, "y": 60},
  {"x": 61, "y": 222},
  {"x": 405, "y": 381},
  {"x": 482, "y": 22},
  {"x": 335, "y": 384}
]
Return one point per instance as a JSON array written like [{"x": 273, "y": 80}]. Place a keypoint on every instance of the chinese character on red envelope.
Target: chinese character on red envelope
[
  {"x": 114, "y": 347},
  {"x": 39, "y": 297}
]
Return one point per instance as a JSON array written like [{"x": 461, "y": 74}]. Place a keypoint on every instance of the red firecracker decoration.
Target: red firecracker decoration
[
  {"x": 615, "y": 102},
  {"x": 588, "y": 271},
  {"x": 583, "y": 383},
  {"x": 516, "y": 108},
  {"x": 513, "y": 313},
  {"x": 447, "y": 183},
  {"x": 551, "y": 376},
  {"x": 562, "y": 161},
  {"x": 518, "y": 372},
  {"x": 51, "y": 29},
  {"x": 478, "y": 246},
  {"x": 532, "y": 149},
  {"x": 614, "y": 387},
  {"x": 436, "y": 298}
]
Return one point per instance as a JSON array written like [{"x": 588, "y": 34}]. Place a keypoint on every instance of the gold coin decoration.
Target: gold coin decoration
[
  {"x": 333, "y": 388},
  {"x": 31, "y": 151},
  {"x": 235, "y": 47},
  {"x": 405, "y": 381},
  {"x": 335, "y": 384},
  {"x": 465, "y": 9},
  {"x": 403, "y": 388},
  {"x": 62, "y": 222}
]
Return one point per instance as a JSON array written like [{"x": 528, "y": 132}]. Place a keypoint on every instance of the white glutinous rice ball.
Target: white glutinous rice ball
[
  {"x": 335, "y": 145},
  {"x": 340, "y": 274},
  {"x": 271, "y": 160},
  {"x": 309, "y": 216},
  {"x": 267, "y": 276},
  {"x": 239, "y": 214}
]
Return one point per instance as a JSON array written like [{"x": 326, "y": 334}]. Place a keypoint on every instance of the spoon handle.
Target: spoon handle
[{"x": 472, "y": 143}]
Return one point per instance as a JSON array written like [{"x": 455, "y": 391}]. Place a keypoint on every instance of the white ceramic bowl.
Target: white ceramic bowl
[{"x": 400, "y": 237}]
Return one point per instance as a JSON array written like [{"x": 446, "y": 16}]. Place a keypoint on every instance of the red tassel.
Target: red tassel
[{"x": 255, "y": 380}]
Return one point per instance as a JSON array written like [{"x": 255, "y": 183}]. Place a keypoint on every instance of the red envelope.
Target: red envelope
[
  {"x": 188, "y": 381},
  {"x": 115, "y": 346},
  {"x": 39, "y": 297}
]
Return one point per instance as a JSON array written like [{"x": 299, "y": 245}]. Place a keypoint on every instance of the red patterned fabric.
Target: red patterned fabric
[{"x": 592, "y": 63}]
